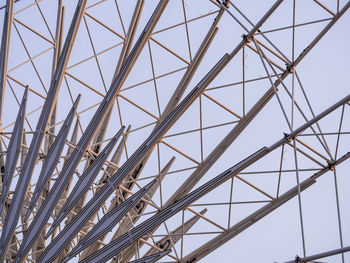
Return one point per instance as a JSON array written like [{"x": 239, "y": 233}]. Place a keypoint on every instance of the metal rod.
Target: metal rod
[
  {"x": 52, "y": 157},
  {"x": 84, "y": 182},
  {"x": 108, "y": 221},
  {"x": 4, "y": 52},
  {"x": 13, "y": 151},
  {"x": 320, "y": 255}
]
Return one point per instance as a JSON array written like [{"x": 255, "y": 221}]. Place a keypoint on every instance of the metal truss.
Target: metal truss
[{"x": 237, "y": 138}]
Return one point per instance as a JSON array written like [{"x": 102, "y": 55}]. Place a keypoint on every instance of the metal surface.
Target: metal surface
[
  {"x": 13, "y": 151},
  {"x": 28, "y": 166},
  {"x": 200, "y": 85},
  {"x": 152, "y": 258},
  {"x": 5, "y": 46},
  {"x": 321, "y": 255},
  {"x": 107, "y": 222},
  {"x": 130, "y": 237},
  {"x": 85, "y": 181},
  {"x": 52, "y": 157}
]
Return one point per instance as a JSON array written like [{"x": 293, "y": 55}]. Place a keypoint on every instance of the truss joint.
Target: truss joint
[
  {"x": 290, "y": 68},
  {"x": 297, "y": 259},
  {"x": 331, "y": 166},
  {"x": 225, "y": 3},
  {"x": 246, "y": 38}
]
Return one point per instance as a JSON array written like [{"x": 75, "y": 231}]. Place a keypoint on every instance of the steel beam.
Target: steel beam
[
  {"x": 73, "y": 141},
  {"x": 100, "y": 197},
  {"x": 24, "y": 152},
  {"x": 124, "y": 53},
  {"x": 110, "y": 170},
  {"x": 93, "y": 205},
  {"x": 49, "y": 204},
  {"x": 180, "y": 90},
  {"x": 152, "y": 258},
  {"x": 4, "y": 52},
  {"x": 138, "y": 210},
  {"x": 56, "y": 53},
  {"x": 320, "y": 255},
  {"x": 13, "y": 150},
  {"x": 193, "y": 66},
  {"x": 2, "y": 165},
  {"x": 49, "y": 166},
  {"x": 130, "y": 35},
  {"x": 198, "y": 57},
  {"x": 22, "y": 184},
  {"x": 256, "y": 216},
  {"x": 135, "y": 214},
  {"x": 52, "y": 157},
  {"x": 106, "y": 223},
  {"x": 84, "y": 182},
  {"x": 11, "y": 254},
  {"x": 82, "y": 185},
  {"x": 115, "y": 159},
  {"x": 321, "y": 34},
  {"x": 220, "y": 149},
  {"x": 116, "y": 246}
]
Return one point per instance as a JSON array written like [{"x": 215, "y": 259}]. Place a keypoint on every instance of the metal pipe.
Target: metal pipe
[
  {"x": 320, "y": 255},
  {"x": 4, "y": 52}
]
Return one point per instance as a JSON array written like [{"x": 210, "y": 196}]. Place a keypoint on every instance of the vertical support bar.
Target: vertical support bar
[
  {"x": 4, "y": 52},
  {"x": 73, "y": 140},
  {"x": 131, "y": 34},
  {"x": 40, "y": 243},
  {"x": 57, "y": 50}
]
